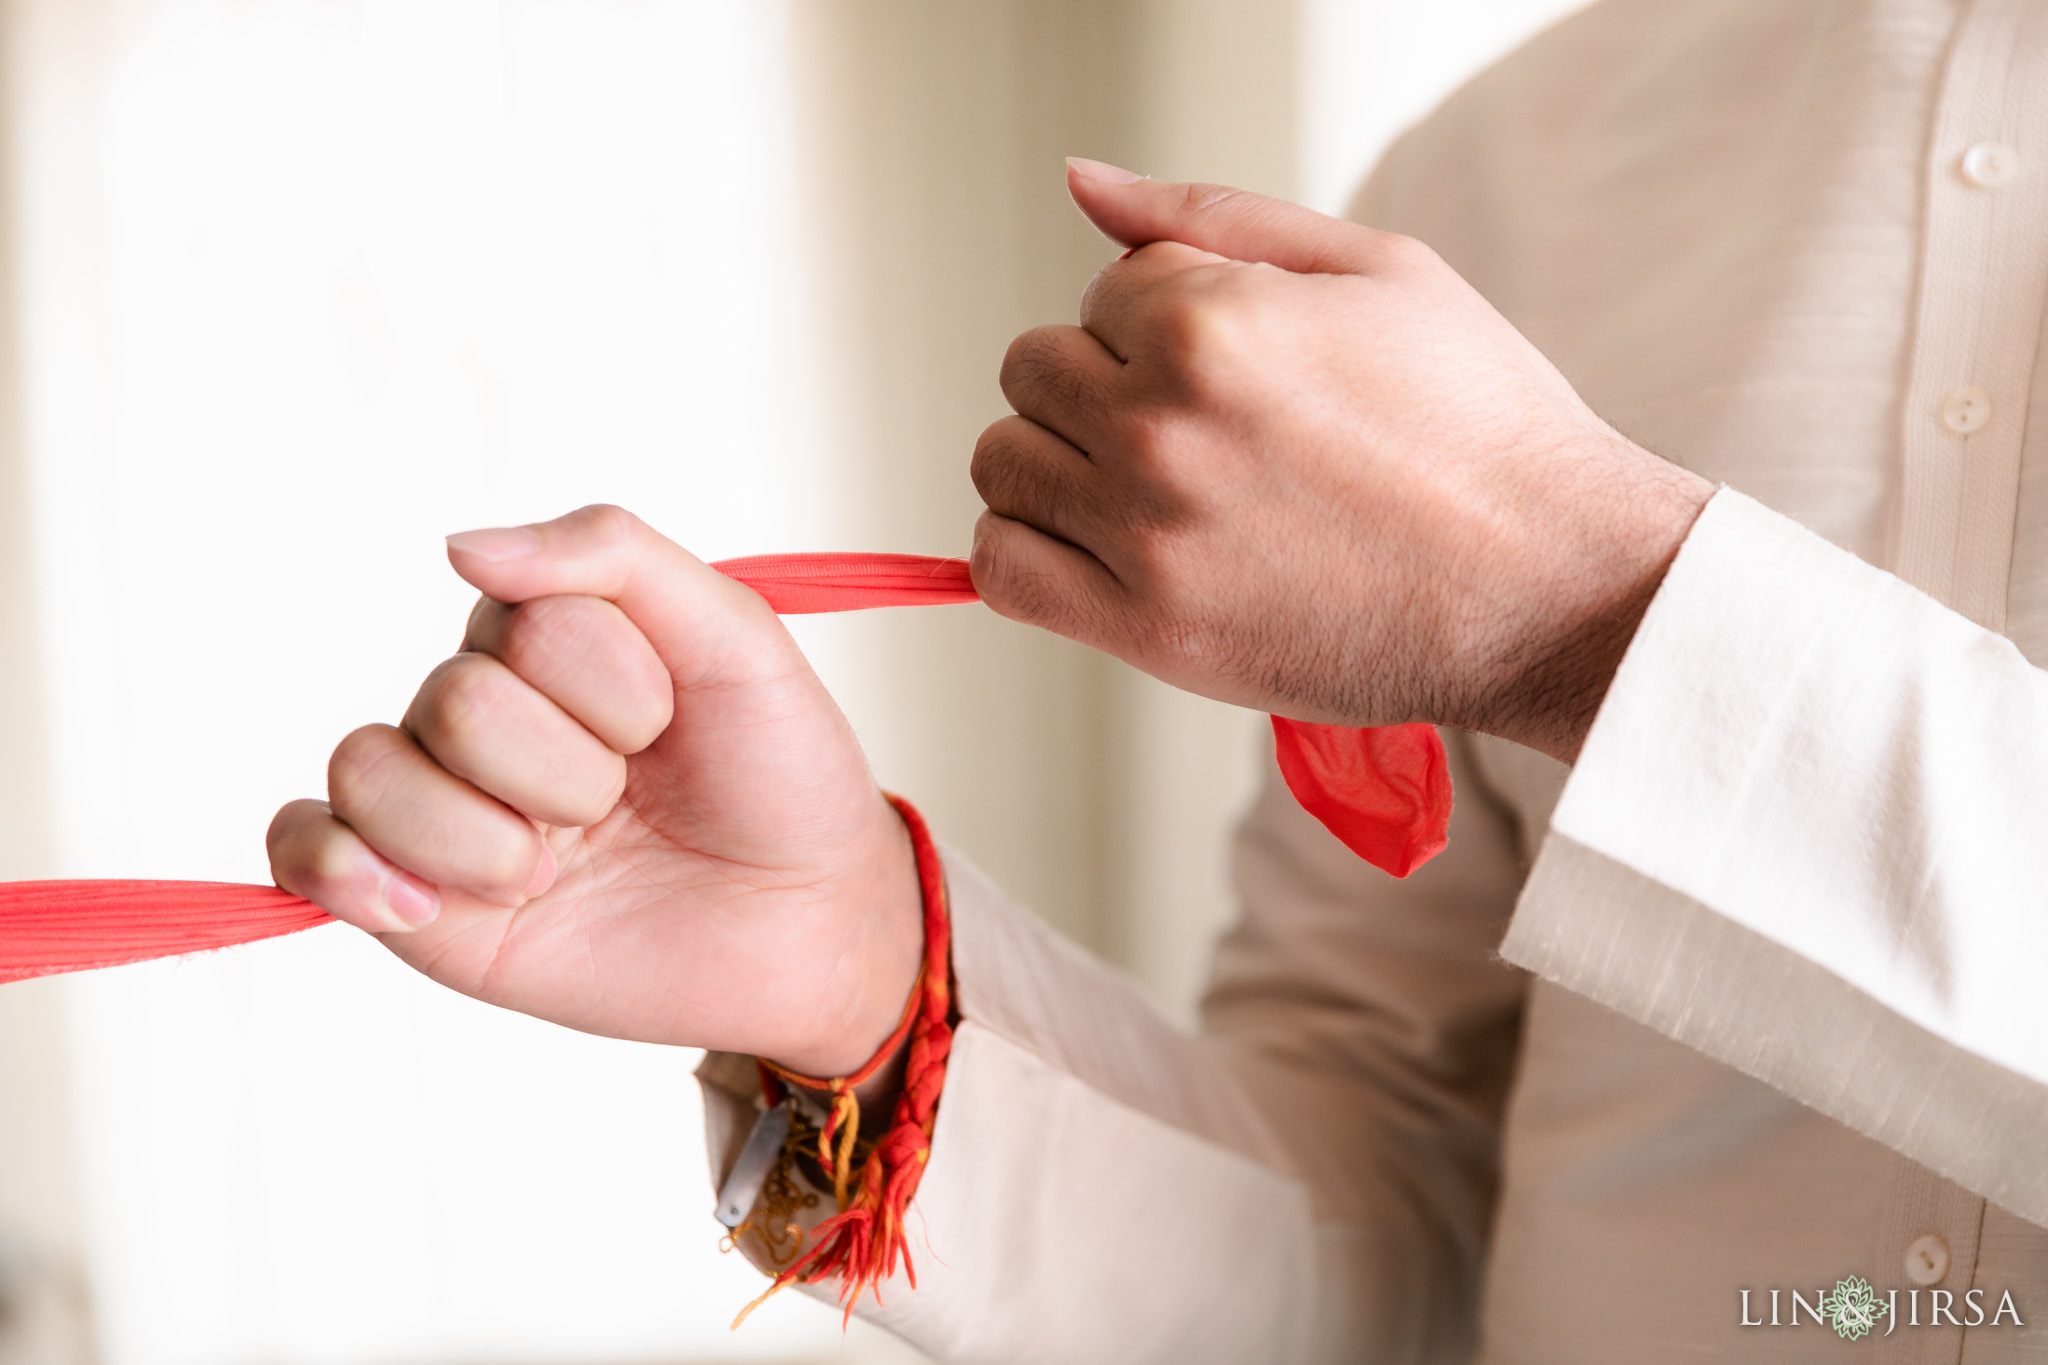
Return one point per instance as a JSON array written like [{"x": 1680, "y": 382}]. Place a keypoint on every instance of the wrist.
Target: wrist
[
  {"x": 1608, "y": 545},
  {"x": 873, "y": 1178},
  {"x": 877, "y": 974}
]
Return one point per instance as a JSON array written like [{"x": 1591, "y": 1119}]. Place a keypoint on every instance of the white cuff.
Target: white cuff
[{"x": 1808, "y": 835}]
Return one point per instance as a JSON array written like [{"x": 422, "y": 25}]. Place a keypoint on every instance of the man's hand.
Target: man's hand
[
  {"x": 1300, "y": 465},
  {"x": 627, "y": 806}
]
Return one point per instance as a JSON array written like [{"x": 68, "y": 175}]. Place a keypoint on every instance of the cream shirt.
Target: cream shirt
[{"x": 1778, "y": 1013}]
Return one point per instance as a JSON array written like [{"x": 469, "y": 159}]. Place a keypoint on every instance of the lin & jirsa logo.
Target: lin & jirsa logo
[{"x": 1854, "y": 1309}]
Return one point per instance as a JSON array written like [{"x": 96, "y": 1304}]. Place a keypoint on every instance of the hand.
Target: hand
[
  {"x": 1300, "y": 465},
  {"x": 627, "y": 806}
]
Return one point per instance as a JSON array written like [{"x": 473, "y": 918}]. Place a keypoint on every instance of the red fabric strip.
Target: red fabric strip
[
  {"x": 1385, "y": 792},
  {"x": 796, "y": 584},
  {"x": 73, "y": 926}
]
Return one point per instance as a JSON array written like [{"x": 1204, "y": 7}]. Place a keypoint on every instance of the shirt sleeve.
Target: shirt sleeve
[
  {"x": 1309, "y": 1179},
  {"x": 1808, "y": 835}
]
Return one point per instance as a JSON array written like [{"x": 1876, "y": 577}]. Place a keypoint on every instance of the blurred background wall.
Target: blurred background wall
[{"x": 290, "y": 290}]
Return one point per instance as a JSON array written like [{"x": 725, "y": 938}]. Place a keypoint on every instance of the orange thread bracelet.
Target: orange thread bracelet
[{"x": 863, "y": 1242}]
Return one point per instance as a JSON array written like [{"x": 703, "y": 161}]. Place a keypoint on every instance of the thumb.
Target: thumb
[
  {"x": 698, "y": 621},
  {"x": 1236, "y": 223}
]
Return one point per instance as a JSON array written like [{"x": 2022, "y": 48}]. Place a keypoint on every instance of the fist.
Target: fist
[
  {"x": 1300, "y": 465},
  {"x": 627, "y": 806}
]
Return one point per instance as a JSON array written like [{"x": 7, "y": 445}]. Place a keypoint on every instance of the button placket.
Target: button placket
[{"x": 1977, "y": 319}]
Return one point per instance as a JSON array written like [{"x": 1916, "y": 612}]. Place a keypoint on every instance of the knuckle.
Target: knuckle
[
  {"x": 990, "y": 561},
  {"x": 1040, "y": 376},
  {"x": 363, "y": 765},
  {"x": 465, "y": 696},
  {"x": 331, "y": 864},
  {"x": 985, "y": 465},
  {"x": 586, "y": 656},
  {"x": 1201, "y": 201},
  {"x": 997, "y": 464},
  {"x": 1010, "y": 586},
  {"x": 985, "y": 559},
  {"x": 543, "y": 636},
  {"x": 1404, "y": 254},
  {"x": 1030, "y": 354},
  {"x": 291, "y": 820},
  {"x": 607, "y": 524},
  {"x": 1148, "y": 438},
  {"x": 1181, "y": 640},
  {"x": 1102, "y": 293},
  {"x": 293, "y": 840},
  {"x": 1204, "y": 334},
  {"x": 1190, "y": 320}
]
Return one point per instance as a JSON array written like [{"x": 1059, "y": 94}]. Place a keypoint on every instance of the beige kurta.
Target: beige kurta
[{"x": 1788, "y": 928}]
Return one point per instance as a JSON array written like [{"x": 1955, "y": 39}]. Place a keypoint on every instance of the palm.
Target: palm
[
  {"x": 736, "y": 882},
  {"x": 733, "y": 838}
]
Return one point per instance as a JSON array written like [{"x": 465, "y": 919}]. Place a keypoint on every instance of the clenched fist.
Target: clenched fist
[
  {"x": 1300, "y": 465},
  {"x": 628, "y": 806}
]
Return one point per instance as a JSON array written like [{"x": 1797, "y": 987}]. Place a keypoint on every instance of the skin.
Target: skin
[
  {"x": 1284, "y": 461},
  {"x": 628, "y": 806},
  {"x": 1300, "y": 465}
]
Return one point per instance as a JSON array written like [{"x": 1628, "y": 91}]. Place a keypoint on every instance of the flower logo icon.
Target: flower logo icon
[{"x": 1853, "y": 1309}]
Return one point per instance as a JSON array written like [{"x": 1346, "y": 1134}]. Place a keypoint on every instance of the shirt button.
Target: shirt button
[
  {"x": 1927, "y": 1260},
  {"x": 1966, "y": 410},
  {"x": 1990, "y": 164}
]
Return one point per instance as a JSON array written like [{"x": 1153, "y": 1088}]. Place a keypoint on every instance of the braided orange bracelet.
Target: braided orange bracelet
[{"x": 865, "y": 1239}]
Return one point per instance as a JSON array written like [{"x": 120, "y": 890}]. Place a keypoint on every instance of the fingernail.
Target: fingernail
[
  {"x": 412, "y": 900},
  {"x": 543, "y": 872},
  {"x": 498, "y": 544},
  {"x": 1102, "y": 170}
]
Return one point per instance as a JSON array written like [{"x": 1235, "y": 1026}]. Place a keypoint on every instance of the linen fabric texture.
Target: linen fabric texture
[{"x": 1762, "y": 1005}]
